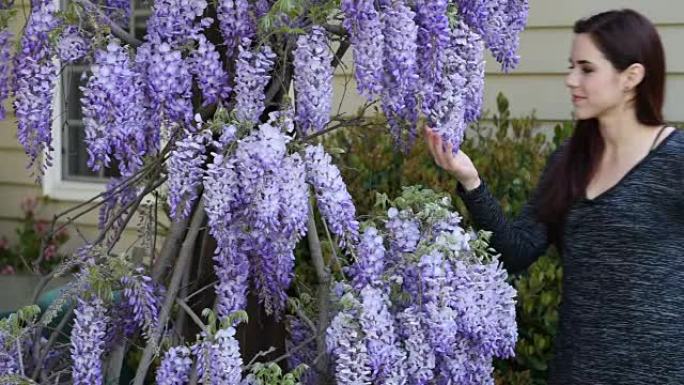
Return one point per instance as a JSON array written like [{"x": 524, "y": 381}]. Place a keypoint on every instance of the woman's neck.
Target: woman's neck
[{"x": 623, "y": 134}]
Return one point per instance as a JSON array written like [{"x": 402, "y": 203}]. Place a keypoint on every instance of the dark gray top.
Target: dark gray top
[{"x": 622, "y": 308}]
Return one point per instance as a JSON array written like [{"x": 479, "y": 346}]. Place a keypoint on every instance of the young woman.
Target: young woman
[{"x": 612, "y": 200}]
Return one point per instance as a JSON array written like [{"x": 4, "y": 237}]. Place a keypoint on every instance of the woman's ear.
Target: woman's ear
[{"x": 632, "y": 76}]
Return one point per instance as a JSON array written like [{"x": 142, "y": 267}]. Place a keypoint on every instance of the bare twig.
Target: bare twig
[
  {"x": 53, "y": 337},
  {"x": 192, "y": 314},
  {"x": 172, "y": 291}
]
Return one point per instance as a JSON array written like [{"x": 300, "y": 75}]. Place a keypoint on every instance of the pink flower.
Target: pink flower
[
  {"x": 40, "y": 227},
  {"x": 29, "y": 205},
  {"x": 50, "y": 252},
  {"x": 7, "y": 270}
]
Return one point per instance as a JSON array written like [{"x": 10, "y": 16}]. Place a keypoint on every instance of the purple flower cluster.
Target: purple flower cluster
[
  {"x": 5, "y": 48},
  {"x": 236, "y": 21},
  {"x": 116, "y": 119},
  {"x": 257, "y": 203},
  {"x": 35, "y": 74},
  {"x": 433, "y": 37},
  {"x": 313, "y": 75},
  {"x": 471, "y": 47},
  {"x": 420, "y": 358},
  {"x": 88, "y": 341},
  {"x": 499, "y": 22},
  {"x": 344, "y": 341},
  {"x": 370, "y": 263},
  {"x": 205, "y": 65},
  {"x": 362, "y": 22},
  {"x": 456, "y": 310},
  {"x": 116, "y": 197},
  {"x": 399, "y": 101},
  {"x": 253, "y": 71},
  {"x": 334, "y": 201},
  {"x": 8, "y": 355},
  {"x": 460, "y": 88},
  {"x": 141, "y": 297},
  {"x": 299, "y": 333},
  {"x": 173, "y": 21},
  {"x": 186, "y": 171},
  {"x": 377, "y": 323},
  {"x": 404, "y": 230},
  {"x": 72, "y": 45},
  {"x": 218, "y": 358},
  {"x": 175, "y": 367},
  {"x": 118, "y": 10},
  {"x": 168, "y": 80}
]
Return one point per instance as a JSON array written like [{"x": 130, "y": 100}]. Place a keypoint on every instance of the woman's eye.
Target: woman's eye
[{"x": 587, "y": 70}]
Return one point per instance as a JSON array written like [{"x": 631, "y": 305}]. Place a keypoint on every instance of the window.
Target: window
[{"x": 69, "y": 177}]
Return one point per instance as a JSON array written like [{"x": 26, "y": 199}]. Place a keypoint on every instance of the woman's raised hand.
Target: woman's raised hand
[{"x": 458, "y": 165}]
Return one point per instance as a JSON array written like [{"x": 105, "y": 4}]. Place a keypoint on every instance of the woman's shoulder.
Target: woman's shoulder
[{"x": 672, "y": 147}]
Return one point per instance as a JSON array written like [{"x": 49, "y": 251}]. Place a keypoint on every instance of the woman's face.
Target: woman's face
[{"x": 596, "y": 87}]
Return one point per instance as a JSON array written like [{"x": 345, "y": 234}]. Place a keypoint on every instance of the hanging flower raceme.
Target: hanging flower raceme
[
  {"x": 206, "y": 67},
  {"x": 87, "y": 342},
  {"x": 499, "y": 22},
  {"x": 5, "y": 48},
  {"x": 253, "y": 71},
  {"x": 362, "y": 22},
  {"x": 175, "y": 367},
  {"x": 186, "y": 171},
  {"x": 141, "y": 296},
  {"x": 344, "y": 341},
  {"x": 218, "y": 358},
  {"x": 168, "y": 80},
  {"x": 257, "y": 203},
  {"x": 236, "y": 21},
  {"x": 370, "y": 263},
  {"x": 173, "y": 21},
  {"x": 460, "y": 88},
  {"x": 399, "y": 98},
  {"x": 35, "y": 74},
  {"x": 471, "y": 48},
  {"x": 313, "y": 75},
  {"x": 117, "y": 122},
  {"x": 432, "y": 38},
  {"x": 334, "y": 201},
  {"x": 72, "y": 45}
]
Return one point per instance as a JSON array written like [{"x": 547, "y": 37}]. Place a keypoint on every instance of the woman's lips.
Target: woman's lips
[{"x": 577, "y": 99}]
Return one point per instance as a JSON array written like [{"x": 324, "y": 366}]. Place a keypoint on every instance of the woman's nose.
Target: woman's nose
[{"x": 571, "y": 79}]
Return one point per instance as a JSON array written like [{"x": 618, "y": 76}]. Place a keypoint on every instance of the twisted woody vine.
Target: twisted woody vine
[{"x": 220, "y": 109}]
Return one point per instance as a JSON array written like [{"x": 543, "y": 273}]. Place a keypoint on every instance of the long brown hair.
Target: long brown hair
[{"x": 625, "y": 37}]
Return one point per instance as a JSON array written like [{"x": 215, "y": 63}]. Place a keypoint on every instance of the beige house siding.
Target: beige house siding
[{"x": 538, "y": 84}]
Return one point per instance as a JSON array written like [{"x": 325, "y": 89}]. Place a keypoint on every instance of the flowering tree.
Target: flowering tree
[{"x": 222, "y": 106}]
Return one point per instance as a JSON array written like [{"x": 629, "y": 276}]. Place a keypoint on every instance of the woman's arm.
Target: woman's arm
[{"x": 520, "y": 241}]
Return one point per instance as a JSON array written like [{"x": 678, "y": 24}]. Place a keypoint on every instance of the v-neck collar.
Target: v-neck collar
[{"x": 633, "y": 169}]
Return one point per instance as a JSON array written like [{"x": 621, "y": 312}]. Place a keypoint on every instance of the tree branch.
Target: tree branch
[
  {"x": 323, "y": 289},
  {"x": 172, "y": 291},
  {"x": 116, "y": 29}
]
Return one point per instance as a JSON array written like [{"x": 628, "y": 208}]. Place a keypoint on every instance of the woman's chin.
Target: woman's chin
[{"x": 581, "y": 114}]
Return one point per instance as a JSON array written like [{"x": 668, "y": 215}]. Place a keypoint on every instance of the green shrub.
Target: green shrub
[{"x": 510, "y": 154}]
